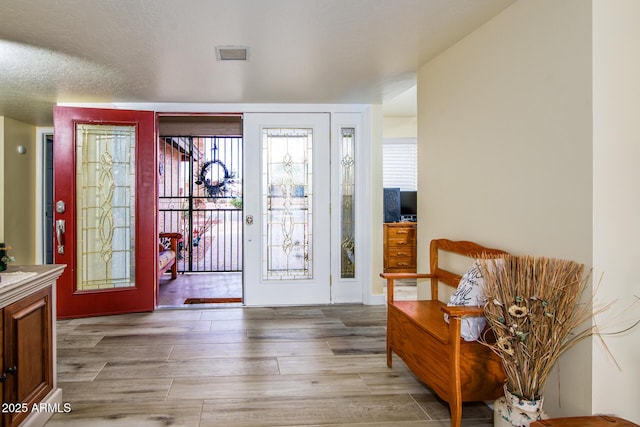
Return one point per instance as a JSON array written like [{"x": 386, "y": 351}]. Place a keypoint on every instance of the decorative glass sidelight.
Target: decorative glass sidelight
[
  {"x": 105, "y": 194},
  {"x": 347, "y": 193},
  {"x": 287, "y": 204}
]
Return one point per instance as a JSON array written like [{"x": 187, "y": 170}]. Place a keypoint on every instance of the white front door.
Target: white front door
[{"x": 286, "y": 205}]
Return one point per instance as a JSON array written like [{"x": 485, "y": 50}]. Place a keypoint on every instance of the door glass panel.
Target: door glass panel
[
  {"x": 347, "y": 188},
  {"x": 105, "y": 193},
  {"x": 287, "y": 204}
]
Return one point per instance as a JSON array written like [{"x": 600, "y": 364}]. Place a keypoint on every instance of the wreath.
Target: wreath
[{"x": 218, "y": 187}]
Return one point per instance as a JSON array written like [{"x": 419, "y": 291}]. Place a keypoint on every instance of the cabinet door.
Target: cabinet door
[
  {"x": 2, "y": 374},
  {"x": 28, "y": 363}
]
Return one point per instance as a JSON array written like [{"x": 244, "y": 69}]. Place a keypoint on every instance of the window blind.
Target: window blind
[{"x": 399, "y": 164}]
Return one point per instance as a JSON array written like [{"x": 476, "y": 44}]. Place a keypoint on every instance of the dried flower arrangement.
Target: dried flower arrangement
[{"x": 535, "y": 309}]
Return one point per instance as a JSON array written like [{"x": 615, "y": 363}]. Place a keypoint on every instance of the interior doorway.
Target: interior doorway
[
  {"x": 200, "y": 196},
  {"x": 47, "y": 219}
]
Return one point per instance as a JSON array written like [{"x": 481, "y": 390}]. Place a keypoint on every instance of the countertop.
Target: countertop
[{"x": 19, "y": 281}]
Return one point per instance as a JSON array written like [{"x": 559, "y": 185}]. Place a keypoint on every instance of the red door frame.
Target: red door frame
[{"x": 142, "y": 297}]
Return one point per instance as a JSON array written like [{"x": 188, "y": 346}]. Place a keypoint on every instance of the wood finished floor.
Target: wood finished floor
[{"x": 289, "y": 366}]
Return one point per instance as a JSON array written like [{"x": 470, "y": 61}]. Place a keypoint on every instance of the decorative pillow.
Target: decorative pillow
[{"x": 470, "y": 292}]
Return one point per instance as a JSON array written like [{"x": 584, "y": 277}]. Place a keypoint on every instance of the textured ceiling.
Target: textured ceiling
[{"x": 301, "y": 51}]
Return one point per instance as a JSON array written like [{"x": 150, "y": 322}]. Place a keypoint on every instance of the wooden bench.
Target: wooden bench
[
  {"x": 168, "y": 255},
  {"x": 456, "y": 370}
]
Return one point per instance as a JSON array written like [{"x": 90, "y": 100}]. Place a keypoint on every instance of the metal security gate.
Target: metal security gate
[{"x": 200, "y": 196}]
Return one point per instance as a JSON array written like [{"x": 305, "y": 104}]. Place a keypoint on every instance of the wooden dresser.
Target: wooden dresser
[{"x": 400, "y": 247}]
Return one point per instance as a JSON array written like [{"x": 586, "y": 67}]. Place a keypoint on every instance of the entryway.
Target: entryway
[
  {"x": 273, "y": 190},
  {"x": 193, "y": 289},
  {"x": 200, "y": 196}
]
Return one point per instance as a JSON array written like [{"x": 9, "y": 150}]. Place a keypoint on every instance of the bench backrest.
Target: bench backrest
[{"x": 464, "y": 248}]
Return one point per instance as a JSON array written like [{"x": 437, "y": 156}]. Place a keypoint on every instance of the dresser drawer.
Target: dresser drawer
[
  {"x": 408, "y": 262},
  {"x": 400, "y": 252},
  {"x": 400, "y": 241},
  {"x": 407, "y": 232}
]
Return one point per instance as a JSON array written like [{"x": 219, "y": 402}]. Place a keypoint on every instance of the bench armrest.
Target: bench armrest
[
  {"x": 164, "y": 235},
  {"x": 405, "y": 275},
  {"x": 393, "y": 276},
  {"x": 463, "y": 310}
]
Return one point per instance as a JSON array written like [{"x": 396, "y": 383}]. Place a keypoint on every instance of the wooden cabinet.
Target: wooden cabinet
[
  {"x": 27, "y": 341},
  {"x": 27, "y": 373},
  {"x": 400, "y": 247}
]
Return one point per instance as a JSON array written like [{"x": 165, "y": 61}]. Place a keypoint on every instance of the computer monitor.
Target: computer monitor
[{"x": 408, "y": 205}]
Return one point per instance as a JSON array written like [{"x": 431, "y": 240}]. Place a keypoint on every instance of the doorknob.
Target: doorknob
[
  {"x": 60, "y": 229},
  {"x": 249, "y": 219}
]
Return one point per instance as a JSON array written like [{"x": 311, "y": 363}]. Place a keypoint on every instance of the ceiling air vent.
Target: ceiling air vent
[{"x": 232, "y": 53}]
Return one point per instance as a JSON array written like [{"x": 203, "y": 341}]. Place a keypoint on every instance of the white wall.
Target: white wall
[
  {"x": 616, "y": 94},
  {"x": 505, "y": 149},
  {"x": 376, "y": 212},
  {"x": 400, "y": 127}
]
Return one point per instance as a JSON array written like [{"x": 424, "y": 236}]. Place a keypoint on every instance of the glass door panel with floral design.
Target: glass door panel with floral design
[
  {"x": 105, "y": 220},
  {"x": 287, "y": 193}
]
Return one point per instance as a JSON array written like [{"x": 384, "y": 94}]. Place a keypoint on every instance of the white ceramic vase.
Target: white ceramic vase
[{"x": 512, "y": 411}]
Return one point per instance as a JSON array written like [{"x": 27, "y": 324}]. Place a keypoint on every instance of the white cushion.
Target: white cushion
[{"x": 470, "y": 292}]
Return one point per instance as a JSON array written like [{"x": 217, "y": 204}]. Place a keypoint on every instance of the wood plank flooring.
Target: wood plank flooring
[{"x": 288, "y": 366}]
